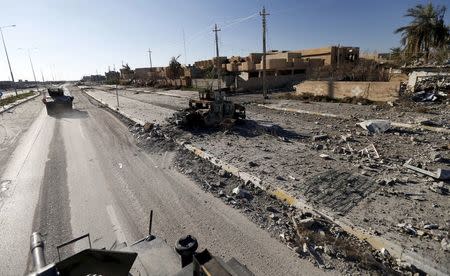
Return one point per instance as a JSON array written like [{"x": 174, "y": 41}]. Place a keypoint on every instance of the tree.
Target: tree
[
  {"x": 126, "y": 67},
  {"x": 426, "y": 30},
  {"x": 398, "y": 57},
  {"x": 174, "y": 69}
]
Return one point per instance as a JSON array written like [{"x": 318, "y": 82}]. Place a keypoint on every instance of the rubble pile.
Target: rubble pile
[
  {"x": 388, "y": 180},
  {"x": 310, "y": 236},
  {"x": 152, "y": 137},
  {"x": 431, "y": 89}
]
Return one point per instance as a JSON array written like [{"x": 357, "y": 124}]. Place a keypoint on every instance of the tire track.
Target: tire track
[{"x": 52, "y": 216}]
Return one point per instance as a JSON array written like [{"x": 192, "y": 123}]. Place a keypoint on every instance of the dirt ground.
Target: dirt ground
[{"x": 319, "y": 159}]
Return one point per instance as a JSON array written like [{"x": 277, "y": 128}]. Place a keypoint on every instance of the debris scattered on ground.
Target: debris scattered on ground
[
  {"x": 441, "y": 174},
  {"x": 284, "y": 149},
  {"x": 370, "y": 151},
  {"x": 376, "y": 126},
  {"x": 431, "y": 88},
  {"x": 311, "y": 237},
  {"x": 325, "y": 156},
  {"x": 439, "y": 188}
]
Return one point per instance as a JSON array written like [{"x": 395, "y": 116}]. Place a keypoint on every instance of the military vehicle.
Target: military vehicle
[
  {"x": 148, "y": 256},
  {"x": 212, "y": 109},
  {"x": 57, "y": 101}
]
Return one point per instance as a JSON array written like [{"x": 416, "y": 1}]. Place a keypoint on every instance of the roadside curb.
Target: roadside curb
[
  {"x": 378, "y": 243},
  {"x": 135, "y": 120},
  {"x": 19, "y": 102},
  {"x": 395, "y": 124}
]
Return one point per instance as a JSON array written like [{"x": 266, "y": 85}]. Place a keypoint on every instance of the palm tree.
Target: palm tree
[
  {"x": 427, "y": 30},
  {"x": 174, "y": 70}
]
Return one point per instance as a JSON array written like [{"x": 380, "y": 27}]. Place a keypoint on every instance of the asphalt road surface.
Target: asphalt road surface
[{"x": 82, "y": 173}]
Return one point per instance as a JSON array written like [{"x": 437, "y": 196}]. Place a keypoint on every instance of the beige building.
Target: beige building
[
  {"x": 277, "y": 64},
  {"x": 331, "y": 55},
  {"x": 205, "y": 64}
]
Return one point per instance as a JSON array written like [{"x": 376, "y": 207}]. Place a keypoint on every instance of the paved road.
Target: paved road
[{"x": 83, "y": 173}]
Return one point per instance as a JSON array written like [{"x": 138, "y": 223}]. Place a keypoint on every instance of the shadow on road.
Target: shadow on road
[{"x": 73, "y": 114}]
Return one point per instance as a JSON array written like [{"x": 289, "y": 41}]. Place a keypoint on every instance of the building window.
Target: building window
[
  {"x": 253, "y": 74},
  {"x": 284, "y": 72},
  {"x": 299, "y": 71}
]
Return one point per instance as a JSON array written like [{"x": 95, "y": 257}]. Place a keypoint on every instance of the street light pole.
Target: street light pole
[
  {"x": 149, "y": 57},
  {"x": 7, "y": 57},
  {"x": 31, "y": 63},
  {"x": 117, "y": 97},
  {"x": 32, "y": 68}
]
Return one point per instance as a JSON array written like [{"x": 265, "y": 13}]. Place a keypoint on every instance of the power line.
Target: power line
[{"x": 184, "y": 44}]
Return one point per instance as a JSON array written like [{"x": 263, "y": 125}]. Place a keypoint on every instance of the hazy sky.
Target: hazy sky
[{"x": 78, "y": 37}]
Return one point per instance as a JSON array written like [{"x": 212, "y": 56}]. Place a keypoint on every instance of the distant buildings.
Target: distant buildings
[
  {"x": 94, "y": 78},
  {"x": 282, "y": 68},
  {"x": 112, "y": 77}
]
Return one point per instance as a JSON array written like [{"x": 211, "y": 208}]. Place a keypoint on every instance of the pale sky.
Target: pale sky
[{"x": 76, "y": 38}]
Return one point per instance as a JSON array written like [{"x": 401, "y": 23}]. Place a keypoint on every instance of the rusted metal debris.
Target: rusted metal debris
[{"x": 211, "y": 109}]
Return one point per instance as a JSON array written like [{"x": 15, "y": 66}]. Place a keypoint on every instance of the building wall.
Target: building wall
[
  {"x": 142, "y": 73},
  {"x": 330, "y": 54},
  {"x": 374, "y": 91},
  {"x": 415, "y": 76},
  {"x": 273, "y": 82},
  {"x": 250, "y": 84}
]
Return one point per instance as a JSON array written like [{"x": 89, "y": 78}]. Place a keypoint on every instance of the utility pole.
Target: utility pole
[
  {"x": 117, "y": 97},
  {"x": 150, "y": 58},
  {"x": 338, "y": 55},
  {"x": 184, "y": 44},
  {"x": 7, "y": 57},
  {"x": 219, "y": 78},
  {"x": 264, "y": 22},
  {"x": 53, "y": 72}
]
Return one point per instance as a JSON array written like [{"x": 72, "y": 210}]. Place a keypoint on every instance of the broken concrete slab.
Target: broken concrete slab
[
  {"x": 376, "y": 126},
  {"x": 441, "y": 174},
  {"x": 439, "y": 188},
  {"x": 148, "y": 126},
  {"x": 242, "y": 193},
  {"x": 320, "y": 137}
]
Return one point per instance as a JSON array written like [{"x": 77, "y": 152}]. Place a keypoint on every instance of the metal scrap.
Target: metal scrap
[
  {"x": 370, "y": 151},
  {"x": 441, "y": 174}
]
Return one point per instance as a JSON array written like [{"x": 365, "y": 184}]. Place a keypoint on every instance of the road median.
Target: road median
[{"x": 13, "y": 101}]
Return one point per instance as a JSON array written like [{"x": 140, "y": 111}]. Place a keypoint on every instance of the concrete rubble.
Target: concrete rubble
[
  {"x": 376, "y": 126},
  {"x": 353, "y": 168}
]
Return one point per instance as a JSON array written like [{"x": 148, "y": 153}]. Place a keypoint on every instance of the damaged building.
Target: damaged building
[{"x": 283, "y": 69}]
